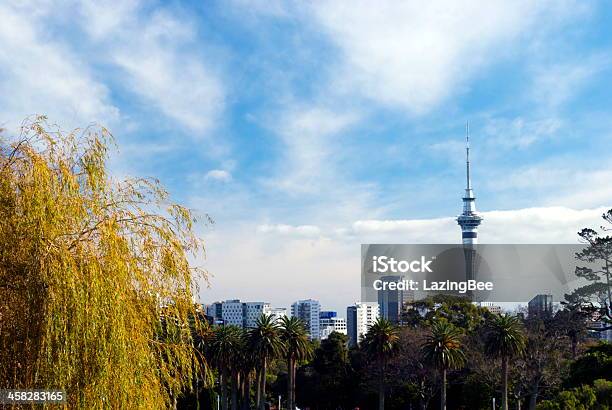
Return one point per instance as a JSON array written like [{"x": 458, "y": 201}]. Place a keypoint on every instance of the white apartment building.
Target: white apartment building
[
  {"x": 253, "y": 310},
  {"x": 333, "y": 324},
  {"x": 359, "y": 318},
  {"x": 308, "y": 311},
  {"x": 278, "y": 313},
  {"x": 491, "y": 307}
]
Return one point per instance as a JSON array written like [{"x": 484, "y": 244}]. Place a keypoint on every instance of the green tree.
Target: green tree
[
  {"x": 541, "y": 367},
  {"x": 505, "y": 339},
  {"x": 224, "y": 348},
  {"x": 442, "y": 349},
  {"x": 380, "y": 343},
  {"x": 327, "y": 378},
  {"x": 597, "y": 295},
  {"x": 296, "y": 347},
  {"x": 265, "y": 344},
  {"x": 579, "y": 398},
  {"x": 596, "y": 363},
  {"x": 95, "y": 282}
]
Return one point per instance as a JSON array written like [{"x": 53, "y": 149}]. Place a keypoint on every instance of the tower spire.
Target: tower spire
[
  {"x": 467, "y": 155},
  {"x": 469, "y": 218}
]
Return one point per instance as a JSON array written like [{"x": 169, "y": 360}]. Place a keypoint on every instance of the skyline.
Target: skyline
[{"x": 305, "y": 131}]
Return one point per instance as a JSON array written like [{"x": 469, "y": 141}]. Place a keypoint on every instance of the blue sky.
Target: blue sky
[{"x": 307, "y": 128}]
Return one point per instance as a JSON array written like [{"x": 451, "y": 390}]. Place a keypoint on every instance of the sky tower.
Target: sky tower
[{"x": 469, "y": 219}]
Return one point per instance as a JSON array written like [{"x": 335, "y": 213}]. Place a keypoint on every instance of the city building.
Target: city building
[
  {"x": 237, "y": 313},
  {"x": 359, "y": 318},
  {"x": 492, "y": 307},
  {"x": 214, "y": 312},
  {"x": 278, "y": 313},
  {"x": 540, "y": 306},
  {"x": 253, "y": 311},
  {"x": 330, "y": 322},
  {"x": 308, "y": 311},
  {"x": 600, "y": 334},
  {"x": 232, "y": 313},
  {"x": 391, "y": 301},
  {"x": 469, "y": 220}
]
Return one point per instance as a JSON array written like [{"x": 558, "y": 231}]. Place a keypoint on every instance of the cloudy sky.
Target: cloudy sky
[{"x": 306, "y": 128}]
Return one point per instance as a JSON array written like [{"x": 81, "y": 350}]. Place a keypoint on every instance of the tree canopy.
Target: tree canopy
[{"x": 95, "y": 281}]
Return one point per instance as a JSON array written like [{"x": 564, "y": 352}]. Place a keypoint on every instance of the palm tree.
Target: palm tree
[
  {"x": 225, "y": 345},
  {"x": 246, "y": 364},
  {"x": 240, "y": 366},
  {"x": 505, "y": 339},
  {"x": 265, "y": 344},
  {"x": 442, "y": 349},
  {"x": 379, "y": 343},
  {"x": 296, "y": 347}
]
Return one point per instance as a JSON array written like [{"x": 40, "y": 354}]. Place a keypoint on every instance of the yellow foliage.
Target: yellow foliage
[{"x": 95, "y": 283}]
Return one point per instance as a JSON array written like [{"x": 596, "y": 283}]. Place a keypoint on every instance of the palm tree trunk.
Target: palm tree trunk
[
  {"x": 235, "y": 384},
  {"x": 262, "y": 398},
  {"x": 223, "y": 387},
  {"x": 504, "y": 383},
  {"x": 443, "y": 393},
  {"x": 257, "y": 388},
  {"x": 294, "y": 383},
  {"x": 381, "y": 386},
  {"x": 533, "y": 398},
  {"x": 291, "y": 383},
  {"x": 246, "y": 391}
]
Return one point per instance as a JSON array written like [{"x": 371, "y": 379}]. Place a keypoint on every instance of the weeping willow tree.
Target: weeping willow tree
[{"x": 95, "y": 283}]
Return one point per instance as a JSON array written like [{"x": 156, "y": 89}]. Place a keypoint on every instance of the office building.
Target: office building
[
  {"x": 214, "y": 312},
  {"x": 232, "y": 313},
  {"x": 253, "y": 311},
  {"x": 330, "y": 322},
  {"x": 391, "y": 301},
  {"x": 359, "y": 318},
  {"x": 308, "y": 311},
  {"x": 540, "y": 306},
  {"x": 237, "y": 313}
]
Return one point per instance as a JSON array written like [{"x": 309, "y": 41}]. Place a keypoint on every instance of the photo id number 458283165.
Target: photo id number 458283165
[{"x": 24, "y": 396}]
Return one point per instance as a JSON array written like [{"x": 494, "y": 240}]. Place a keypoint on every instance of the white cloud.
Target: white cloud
[
  {"x": 555, "y": 84},
  {"x": 415, "y": 54},
  {"x": 291, "y": 230},
  {"x": 520, "y": 132},
  {"x": 40, "y": 75},
  {"x": 310, "y": 137},
  {"x": 150, "y": 50},
  {"x": 529, "y": 225},
  {"x": 218, "y": 175},
  {"x": 555, "y": 182}
]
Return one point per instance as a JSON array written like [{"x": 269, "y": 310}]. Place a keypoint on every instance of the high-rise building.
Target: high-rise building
[
  {"x": 308, "y": 311},
  {"x": 232, "y": 312},
  {"x": 359, "y": 318},
  {"x": 540, "y": 306},
  {"x": 469, "y": 220},
  {"x": 330, "y": 322},
  {"x": 253, "y": 311},
  {"x": 391, "y": 301}
]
